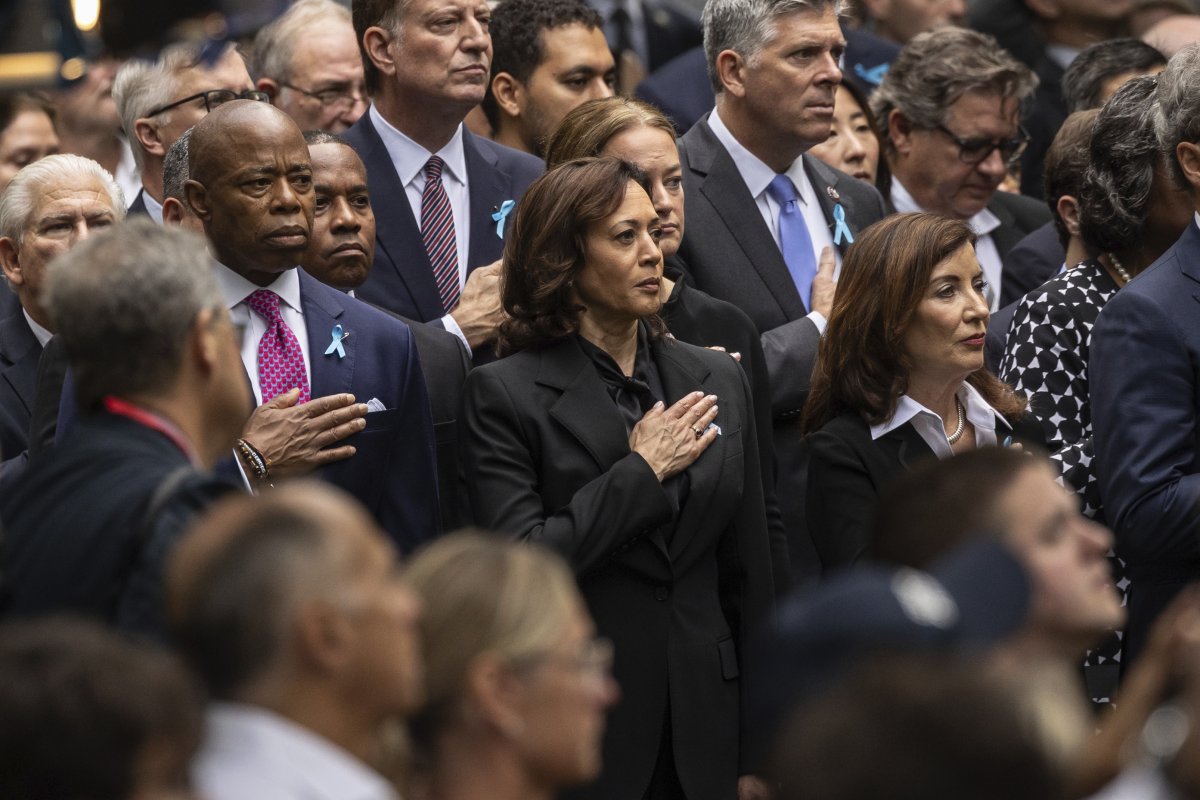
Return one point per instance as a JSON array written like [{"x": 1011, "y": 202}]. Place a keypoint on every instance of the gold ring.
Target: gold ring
[{"x": 697, "y": 431}]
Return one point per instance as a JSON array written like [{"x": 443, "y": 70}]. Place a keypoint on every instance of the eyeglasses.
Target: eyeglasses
[
  {"x": 342, "y": 98},
  {"x": 214, "y": 98},
  {"x": 973, "y": 151},
  {"x": 594, "y": 659}
]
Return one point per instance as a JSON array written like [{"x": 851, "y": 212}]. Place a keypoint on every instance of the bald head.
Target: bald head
[{"x": 251, "y": 187}]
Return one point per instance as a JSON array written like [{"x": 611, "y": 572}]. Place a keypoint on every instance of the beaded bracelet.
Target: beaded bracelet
[{"x": 254, "y": 459}]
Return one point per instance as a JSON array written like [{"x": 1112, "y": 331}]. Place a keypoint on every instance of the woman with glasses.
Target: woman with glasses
[
  {"x": 517, "y": 685},
  {"x": 635, "y": 457}
]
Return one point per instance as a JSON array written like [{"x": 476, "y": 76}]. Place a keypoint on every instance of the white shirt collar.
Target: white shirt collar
[
  {"x": 409, "y": 157},
  {"x": 754, "y": 171},
  {"x": 235, "y": 289},
  {"x": 239, "y": 735},
  {"x": 1061, "y": 54},
  {"x": 979, "y": 413},
  {"x": 39, "y": 333},
  {"x": 982, "y": 223},
  {"x": 153, "y": 207}
]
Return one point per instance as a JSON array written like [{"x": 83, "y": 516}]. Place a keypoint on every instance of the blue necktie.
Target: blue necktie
[{"x": 794, "y": 239}]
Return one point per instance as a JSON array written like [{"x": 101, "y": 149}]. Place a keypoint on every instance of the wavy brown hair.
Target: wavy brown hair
[
  {"x": 547, "y": 247},
  {"x": 861, "y": 364},
  {"x": 586, "y": 130}
]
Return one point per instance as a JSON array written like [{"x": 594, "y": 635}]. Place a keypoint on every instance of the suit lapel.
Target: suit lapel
[
  {"x": 906, "y": 445},
  {"x": 16, "y": 339},
  {"x": 397, "y": 234},
  {"x": 328, "y": 374},
  {"x": 725, "y": 190},
  {"x": 1006, "y": 235},
  {"x": 487, "y": 187},
  {"x": 824, "y": 182}
]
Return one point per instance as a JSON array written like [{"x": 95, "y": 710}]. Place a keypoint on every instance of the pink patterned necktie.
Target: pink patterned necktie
[
  {"x": 280, "y": 359},
  {"x": 437, "y": 232}
]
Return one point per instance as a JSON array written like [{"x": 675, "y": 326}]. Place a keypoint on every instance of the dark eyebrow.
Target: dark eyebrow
[{"x": 325, "y": 188}]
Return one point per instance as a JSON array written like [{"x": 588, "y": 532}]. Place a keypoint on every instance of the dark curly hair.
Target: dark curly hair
[
  {"x": 861, "y": 365},
  {"x": 517, "y": 46},
  {"x": 1083, "y": 81},
  {"x": 546, "y": 248}
]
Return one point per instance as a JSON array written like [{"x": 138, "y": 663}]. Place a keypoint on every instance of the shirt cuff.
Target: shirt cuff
[
  {"x": 237, "y": 459},
  {"x": 452, "y": 327},
  {"x": 819, "y": 320}
]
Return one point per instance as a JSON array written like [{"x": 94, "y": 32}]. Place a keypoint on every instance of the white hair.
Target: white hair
[
  {"x": 20, "y": 198},
  {"x": 1178, "y": 106},
  {"x": 277, "y": 43}
]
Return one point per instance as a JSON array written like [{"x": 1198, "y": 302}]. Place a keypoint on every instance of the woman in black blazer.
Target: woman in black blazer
[
  {"x": 634, "y": 456},
  {"x": 899, "y": 375}
]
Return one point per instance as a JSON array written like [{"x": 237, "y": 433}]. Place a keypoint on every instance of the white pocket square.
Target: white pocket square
[{"x": 374, "y": 405}]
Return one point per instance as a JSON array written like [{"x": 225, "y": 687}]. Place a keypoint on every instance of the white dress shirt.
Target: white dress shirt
[
  {"x": 758, "y": 176},
  {"x": 153, "y": 207},
  {"x": 252, "y": 753},
  {"x": 932, "y": 429},
  {"x": 39, "y": 333},
  {"x": 127, "y": 175},
  {"x": 982, "y": 224},
  {"x": 235, "y": 289},
  {"x": 409, "y": 159}
]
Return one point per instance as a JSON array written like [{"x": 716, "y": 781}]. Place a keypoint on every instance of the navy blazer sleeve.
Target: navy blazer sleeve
[{"x": 1143, "y": 391}]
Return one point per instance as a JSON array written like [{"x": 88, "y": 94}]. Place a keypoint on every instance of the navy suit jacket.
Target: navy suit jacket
[
  {"x": 401, "y": 279},
  {"x": 1144, "y": 374},
  {"x": 138, "y": 206},
  {"x": 19, "y": 352}
]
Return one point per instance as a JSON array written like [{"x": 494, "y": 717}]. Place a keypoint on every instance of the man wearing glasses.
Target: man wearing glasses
[
  {"x": 307, "y": 61},
  {"x": 160, "y": 100},
  {"x": 948, "y": 110}
]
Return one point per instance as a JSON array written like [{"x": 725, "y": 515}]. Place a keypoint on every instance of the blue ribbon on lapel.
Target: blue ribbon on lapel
[
  {"x": 336, "y": 345},
  {"x": 842, "y": 231},
  {"x": 874, "y": 75},
  {"x": 501, "y": 215}
]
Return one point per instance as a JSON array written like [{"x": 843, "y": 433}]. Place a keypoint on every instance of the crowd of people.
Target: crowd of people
[{"x": 446, "y": 399}]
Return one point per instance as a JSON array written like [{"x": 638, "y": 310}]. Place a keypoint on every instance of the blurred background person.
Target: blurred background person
[
  {"x": 638, "y": 133},
  {"x": 900, "y": 375},
  {"x": 89, "y": 124},
  {"x": 289, "y": 608},
  {"x": 634, "y": 456},
  {"x": 853, "y": 143},
  {"x": 518, "y": 685},
  {"x": 900, "y": 20},
  {"x": 307, "y": 60},
  {"x": 1102, "y": 68},
  {"x": 26, "y": 132},
  {"x": 548, "y": 57},
  {"x": 88, "y": 713}
]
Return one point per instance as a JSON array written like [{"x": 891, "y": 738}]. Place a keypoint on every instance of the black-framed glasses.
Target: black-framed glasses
[
  {"x": 973, "y": 151},
  {"x": 342, "y": 97},
  {"x": 215, "y": 97}
]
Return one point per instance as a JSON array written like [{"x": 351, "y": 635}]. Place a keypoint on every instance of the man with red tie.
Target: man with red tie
[{"x": 252, "y": 188}]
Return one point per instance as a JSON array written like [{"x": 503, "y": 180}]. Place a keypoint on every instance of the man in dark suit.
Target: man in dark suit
[
  {"x": 1145, "y": 386},
  {"x": 340, "y": 255},
  {"x": 747, "y": 246},
  {"x": 949, "y": 110},
  {"x": 163, "y": 397},
  {"x": 442, "y": 195},
  {"x": 251, "y": 187},
  {"x": 79, "y": 198},
  {"x": 159, "y": 100}
]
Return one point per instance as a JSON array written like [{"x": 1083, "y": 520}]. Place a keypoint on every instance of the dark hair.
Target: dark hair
[
  {"x": 929, "y": 512},
  {"x": 547, "y": 248},
  {"x": 517, "y": 45},
  {"x": 176, "y": 169},
  {"x": 861, "y": 362},
  {"x": 912, "y": 728},
  {"x": 1118, "y": 186},
  {"x": 12, "y": 104},
  {"x": 80, "y": 705},
  {"x": 883, "y": 174},
  {"x": 1066, "y": 163},
  {"x": 586, "y": 129},
  {"x": 370, "y": 14},
  {"x": 1084, "y": 80}
]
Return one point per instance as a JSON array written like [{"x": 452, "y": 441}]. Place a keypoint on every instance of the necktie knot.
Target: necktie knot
[
  {"x": 433, "y": 168},
  {"x": 782, "y": 191},
  {"x": 265, "y": 303}
]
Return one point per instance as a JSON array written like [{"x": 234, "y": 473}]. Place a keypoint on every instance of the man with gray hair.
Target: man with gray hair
[
  {"x": 947, "y": 114},
  {"x": 159, "y": 100},
  {"x": 767, "y": 222},
  {"x": 48, "y": 208},
  {"x": 1145, "y": 386},
  {"x": 159, "y": 379},
  {"x": 307, "y": 61}
]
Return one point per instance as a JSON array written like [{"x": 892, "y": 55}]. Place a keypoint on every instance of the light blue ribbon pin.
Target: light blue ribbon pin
[
  {"x": 842, "y": 231},
  {"x": 336, "y": 344},
  {"x": 502, "y": 214}
]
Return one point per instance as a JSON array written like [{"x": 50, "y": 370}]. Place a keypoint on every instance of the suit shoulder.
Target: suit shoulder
[
  {"x": 846, "y": 429},
  {"x": 521, "y": 166},
  {"x": 1027, "y": 211},
  {"x": 365, "y": 315}
]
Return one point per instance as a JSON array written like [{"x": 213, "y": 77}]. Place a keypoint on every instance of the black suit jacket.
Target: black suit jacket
[
  {"x": 138, "y": 206},
  {"x": 548, "y": 459},
  {"x": 19, "y": 353},
  {"x": 1031, "y": 262},
  {"x": 401, "y": 279},
  {"x": 74, "y": 521},
  {"x": 848, "y": 471},
  {"x": 1045, "y": 115},
  {"x": 729, "y": 251},
  {"x": 1019, "y": 216}
]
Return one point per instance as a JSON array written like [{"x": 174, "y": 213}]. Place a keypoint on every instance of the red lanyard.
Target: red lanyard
[{"x": 122, "y": 408}]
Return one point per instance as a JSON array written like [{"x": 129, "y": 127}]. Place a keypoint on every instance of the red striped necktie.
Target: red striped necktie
[{"x": 437, "y": 232}]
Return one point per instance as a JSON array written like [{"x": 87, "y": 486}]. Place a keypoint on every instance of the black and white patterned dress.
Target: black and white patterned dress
[{"x": 1046, "y": 358}]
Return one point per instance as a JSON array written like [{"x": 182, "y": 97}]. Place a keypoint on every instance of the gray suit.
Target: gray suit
[{"x": 729, "y": 251}]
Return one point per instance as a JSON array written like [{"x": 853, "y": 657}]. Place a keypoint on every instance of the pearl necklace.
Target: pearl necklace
[
  {"x": 962, "y": 423},
  {"x": 1112, "y": 259}
]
